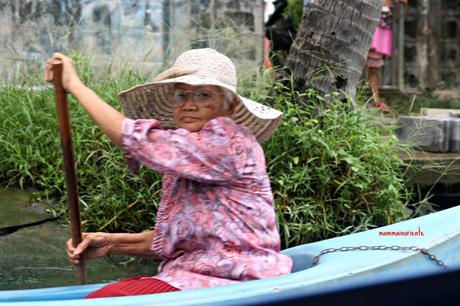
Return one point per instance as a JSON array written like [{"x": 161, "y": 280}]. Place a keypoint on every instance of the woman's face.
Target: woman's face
[{"x": 194, "y": 106}]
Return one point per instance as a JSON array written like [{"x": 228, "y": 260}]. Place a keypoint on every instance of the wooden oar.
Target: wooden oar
[{"x": 69, "y": 166}]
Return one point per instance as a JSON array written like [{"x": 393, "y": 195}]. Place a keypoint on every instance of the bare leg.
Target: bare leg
[{"x": 374, "y": 82}]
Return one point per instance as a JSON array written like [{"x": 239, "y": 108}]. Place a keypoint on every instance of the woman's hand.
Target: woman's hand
[
  {"x": 93, "y": 245},
  {"x": 70, "y": 79},
  {"x": 100, "y": 244}
]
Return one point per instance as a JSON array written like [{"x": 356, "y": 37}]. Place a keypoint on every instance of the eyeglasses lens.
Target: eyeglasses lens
[{"x": 201, "y": 98}]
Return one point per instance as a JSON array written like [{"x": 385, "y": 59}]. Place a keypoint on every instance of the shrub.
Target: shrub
[{"x": 332, "y": 172}]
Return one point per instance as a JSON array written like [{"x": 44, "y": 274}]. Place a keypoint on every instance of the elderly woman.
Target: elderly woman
[{"x": 216, "y": 223}]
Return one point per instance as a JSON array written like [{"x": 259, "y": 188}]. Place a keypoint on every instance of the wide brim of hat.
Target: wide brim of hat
[{"x": 152, "y": 100}]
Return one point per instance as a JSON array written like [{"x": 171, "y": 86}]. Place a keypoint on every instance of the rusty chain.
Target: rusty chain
[{"x": 424, "y": 251}]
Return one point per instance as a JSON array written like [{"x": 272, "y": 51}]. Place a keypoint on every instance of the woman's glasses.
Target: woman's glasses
[{"x": 200, "y": 97}]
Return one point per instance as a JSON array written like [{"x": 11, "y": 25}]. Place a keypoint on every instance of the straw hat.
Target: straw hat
[{"x": 197, "y": 67}]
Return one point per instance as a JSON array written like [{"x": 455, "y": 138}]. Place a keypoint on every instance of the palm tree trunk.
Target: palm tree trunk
[{"x": 332, "y": 43}]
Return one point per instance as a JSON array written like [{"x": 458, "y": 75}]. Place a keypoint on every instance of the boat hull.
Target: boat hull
[{"x": 439, "y": 234}]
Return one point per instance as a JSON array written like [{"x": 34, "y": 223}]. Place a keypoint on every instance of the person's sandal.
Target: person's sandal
[{"x": 382, "y": 106}]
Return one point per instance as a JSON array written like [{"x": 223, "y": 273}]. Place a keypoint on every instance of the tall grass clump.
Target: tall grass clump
[
  {"x": 110, "y": 197},
  {"x": 332, "y": 170}
]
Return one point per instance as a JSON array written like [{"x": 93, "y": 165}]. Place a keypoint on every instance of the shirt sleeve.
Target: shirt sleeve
[{"x": 205, "y": 156}]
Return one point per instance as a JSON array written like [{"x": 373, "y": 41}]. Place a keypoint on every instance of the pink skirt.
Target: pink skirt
[{"x": 382, "y": 41}]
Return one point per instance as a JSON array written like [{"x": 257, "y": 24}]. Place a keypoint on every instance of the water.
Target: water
[{"x": 34, "y": 257}]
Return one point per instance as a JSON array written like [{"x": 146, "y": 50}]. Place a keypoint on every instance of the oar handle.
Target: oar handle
[{"x": 69, "y": 166}]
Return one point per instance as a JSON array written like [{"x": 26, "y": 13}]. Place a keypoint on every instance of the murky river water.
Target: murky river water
[{"x": 34, "y": 257}]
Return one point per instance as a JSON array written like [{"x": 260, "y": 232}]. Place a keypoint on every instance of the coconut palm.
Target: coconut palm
[{"x": 332, "y": 42}]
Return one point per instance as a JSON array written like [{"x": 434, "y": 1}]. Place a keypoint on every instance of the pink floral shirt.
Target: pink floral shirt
[{"x": 216, "y": 221}]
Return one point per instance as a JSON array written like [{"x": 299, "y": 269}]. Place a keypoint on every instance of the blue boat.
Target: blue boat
[{"x": 412, "y": 248}]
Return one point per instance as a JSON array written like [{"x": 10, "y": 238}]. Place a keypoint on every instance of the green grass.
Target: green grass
[
  {"x": 410, "y": 103},
  {"x": 332, "y": 170}
]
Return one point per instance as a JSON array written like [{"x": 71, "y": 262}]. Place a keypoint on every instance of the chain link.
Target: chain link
[{"x": 424, "y": 251}]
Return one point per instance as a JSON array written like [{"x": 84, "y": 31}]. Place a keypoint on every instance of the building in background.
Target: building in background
[
  {"x": 428, "y": 47},
  {"x": 147, "y": 33},
  {"x": 140, "y": 33}
]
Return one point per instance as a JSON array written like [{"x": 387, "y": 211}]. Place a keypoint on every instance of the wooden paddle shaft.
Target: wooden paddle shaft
[{"x": 69, "y": 166}]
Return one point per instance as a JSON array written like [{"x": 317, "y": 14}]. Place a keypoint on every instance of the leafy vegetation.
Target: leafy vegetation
[
  {"x": 333, "y": 170},
  {"x": 294, "y": 11},
  {"x": 30, "y": 137},
  {"x": 411, "y": 103}
]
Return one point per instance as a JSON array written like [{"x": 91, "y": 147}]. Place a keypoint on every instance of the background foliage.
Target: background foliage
[
  {"x": 294, "y": 11},
  {"x": 333, "y": 170}
]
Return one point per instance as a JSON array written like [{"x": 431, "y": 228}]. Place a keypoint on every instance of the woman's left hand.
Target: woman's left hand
[{"x": 93, "y": 245}]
